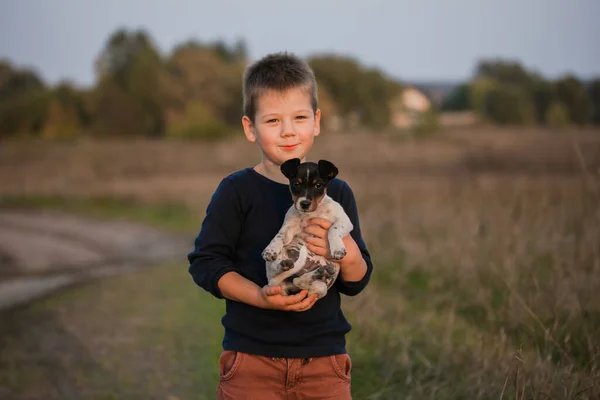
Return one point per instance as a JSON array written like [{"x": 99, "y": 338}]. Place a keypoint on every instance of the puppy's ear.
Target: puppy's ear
[
  {"x": 289, "y": 167},
  {"x": 327, "y": 170}
]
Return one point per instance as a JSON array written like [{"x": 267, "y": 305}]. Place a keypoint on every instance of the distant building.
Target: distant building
[{"x": 408, "y": 107}]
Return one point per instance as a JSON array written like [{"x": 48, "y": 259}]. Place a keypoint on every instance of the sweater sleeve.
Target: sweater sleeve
[
  {"x": 214, "y": 247},
  {"x": 348, "y": 202}
]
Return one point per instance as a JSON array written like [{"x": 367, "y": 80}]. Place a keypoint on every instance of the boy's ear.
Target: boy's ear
[
  {"x": 327, "y": 169},
  {"x": 248, "y": 129},
  {"x": 289, "y": 167}
]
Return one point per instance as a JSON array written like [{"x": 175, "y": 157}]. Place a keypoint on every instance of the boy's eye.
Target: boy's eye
[
  {"x": 301, "y": 117},
  {"x": 271, "y": 121}
]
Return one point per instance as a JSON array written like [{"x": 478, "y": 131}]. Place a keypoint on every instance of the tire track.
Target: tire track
[{"x": 42, "y": 252}]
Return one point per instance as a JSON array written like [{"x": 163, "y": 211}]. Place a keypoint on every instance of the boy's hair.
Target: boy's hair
[{"x": 280, "y": 72}]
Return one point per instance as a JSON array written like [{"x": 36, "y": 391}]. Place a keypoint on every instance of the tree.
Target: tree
[
  {"x": 68, "y": 113},
  {"x": 200, "y": 75},
  {"x": 237, "y": 53},
  {"x": 502, "y": 104},
  {"x": 507, "y": 72},
  {"x": 529, "y": 89},
  {"x": 544, "y": 96},
  {"x": 131, "y": 73},
  {"x": 23, "y": 101},
  {"x": 557, "y": 116},
  {"x": 572, "y": 94},
  {"x": 594, "y": 95},
  {"x": 197, "y": 122},
  {"x": 458, "y": 100},
  {"x": 355, "y": 89}
]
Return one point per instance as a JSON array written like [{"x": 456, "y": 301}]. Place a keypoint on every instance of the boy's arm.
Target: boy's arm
[
  {"x": 355, "y": 278},
  {"x": 214, "y": 246},
  {"x": 235, "y": 287}
]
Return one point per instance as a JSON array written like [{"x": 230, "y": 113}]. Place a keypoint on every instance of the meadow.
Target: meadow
[{"x": 486, "y": 245}]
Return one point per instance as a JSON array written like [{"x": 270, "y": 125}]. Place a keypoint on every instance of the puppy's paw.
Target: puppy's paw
[
  {"x": 319, "y": 288},
  {"x": 329, "y": 271},
  {"x": 338, "y": 254},
  {"x": 269, "y": 254},
  {"x": 286, "y": 264}
]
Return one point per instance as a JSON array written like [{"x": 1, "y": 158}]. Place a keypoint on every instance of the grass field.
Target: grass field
[
  {"x": 140, "y": 336},
  {"x": 486, "y": 247}
]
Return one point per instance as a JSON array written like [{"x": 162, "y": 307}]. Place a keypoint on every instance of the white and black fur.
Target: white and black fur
[{"x": 289, "y": 263}]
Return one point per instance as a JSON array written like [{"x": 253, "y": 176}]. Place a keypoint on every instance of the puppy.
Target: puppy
[{"x": 289, "y": 263}]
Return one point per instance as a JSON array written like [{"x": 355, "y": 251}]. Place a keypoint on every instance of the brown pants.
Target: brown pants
[{"x": 246, "y": 376}]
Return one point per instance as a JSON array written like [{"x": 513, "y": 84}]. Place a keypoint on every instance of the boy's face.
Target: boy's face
[{"x": 284, "y": 125}]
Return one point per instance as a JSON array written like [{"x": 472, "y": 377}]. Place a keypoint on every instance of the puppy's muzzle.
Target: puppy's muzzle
[{"x": 305, "y": 204}]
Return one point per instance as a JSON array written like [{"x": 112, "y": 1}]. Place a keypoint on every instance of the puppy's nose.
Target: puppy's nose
[{"x": 305, "y": 204}]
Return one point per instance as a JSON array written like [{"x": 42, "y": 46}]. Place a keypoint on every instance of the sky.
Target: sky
[{"x": 416, "y": 40}]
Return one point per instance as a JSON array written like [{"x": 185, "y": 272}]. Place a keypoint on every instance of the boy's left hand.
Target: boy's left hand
[{"x": 318, "y": 243}]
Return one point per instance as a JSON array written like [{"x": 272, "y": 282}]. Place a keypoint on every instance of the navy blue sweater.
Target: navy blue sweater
[{"x": 244, "y": 214}]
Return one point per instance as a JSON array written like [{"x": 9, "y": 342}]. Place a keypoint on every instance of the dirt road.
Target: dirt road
[{"x": 43, "y": 251}]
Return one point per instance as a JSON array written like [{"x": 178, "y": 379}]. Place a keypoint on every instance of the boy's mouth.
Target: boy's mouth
[{"x": 289, "y": 147}]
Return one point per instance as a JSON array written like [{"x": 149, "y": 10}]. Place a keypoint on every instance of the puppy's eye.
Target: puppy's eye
[
  {"x": 319, "y": 186},
  {"x": 296, "y": 184}
]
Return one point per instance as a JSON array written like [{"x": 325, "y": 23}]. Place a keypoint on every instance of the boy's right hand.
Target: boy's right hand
[{"x": 270, "y": 297}]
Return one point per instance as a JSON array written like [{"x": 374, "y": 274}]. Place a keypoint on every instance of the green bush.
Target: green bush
[
  {"x": 428, "y": 124},
  {"x": 557, "y": 115},
  {"x": 197, "y": 122},
  {"x": 503, "y": 104}
]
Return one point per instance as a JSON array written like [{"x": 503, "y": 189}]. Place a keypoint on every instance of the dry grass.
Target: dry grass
[
  {"x": 486, "y": 245},
  {"x": 473, "y": 273}
]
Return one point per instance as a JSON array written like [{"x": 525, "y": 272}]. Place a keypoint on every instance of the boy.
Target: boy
[{"x": 275, "y": 346}]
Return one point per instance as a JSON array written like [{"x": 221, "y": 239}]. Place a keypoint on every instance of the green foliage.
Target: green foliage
[
  {"x": 503, "y": 104},
  {"x": 428, "y": 123},
  {"x": 23, "y": 101},
  {"x": 573, "y": 95},
  {"x": 122, "y": 51},
  {"x": 70, "y": 97},
  {"x": 544, "y": 95},
  {"x": 530, "y": 92},
  {"x": 594, "y": 95},
  {"x": 67, "y": 114},
  {"x": 61, "y": 122},
  {"x": 237, "y": 53},
  {"x": 24, "y": 114},
  {"x": 478, "y": 91},
  {"x": 131, "y": 75},
  {"x": 116, "y": 112},
  {"x": 355, "y": 89},
  {"x": 139, "y": 92},
  {"x": 17, "y": 81},
  {"x": 557, "y": 116},
  {"x": 504, "y": 71},
  {"x": 197, "y": 122},
  {"x": 509, "y": 105},
  {"x": 458, "y": 100},
  {"x": 199, "y": 74}
]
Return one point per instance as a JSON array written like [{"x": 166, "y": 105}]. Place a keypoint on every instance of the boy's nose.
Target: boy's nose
[{"x": 288, "y": 129}]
